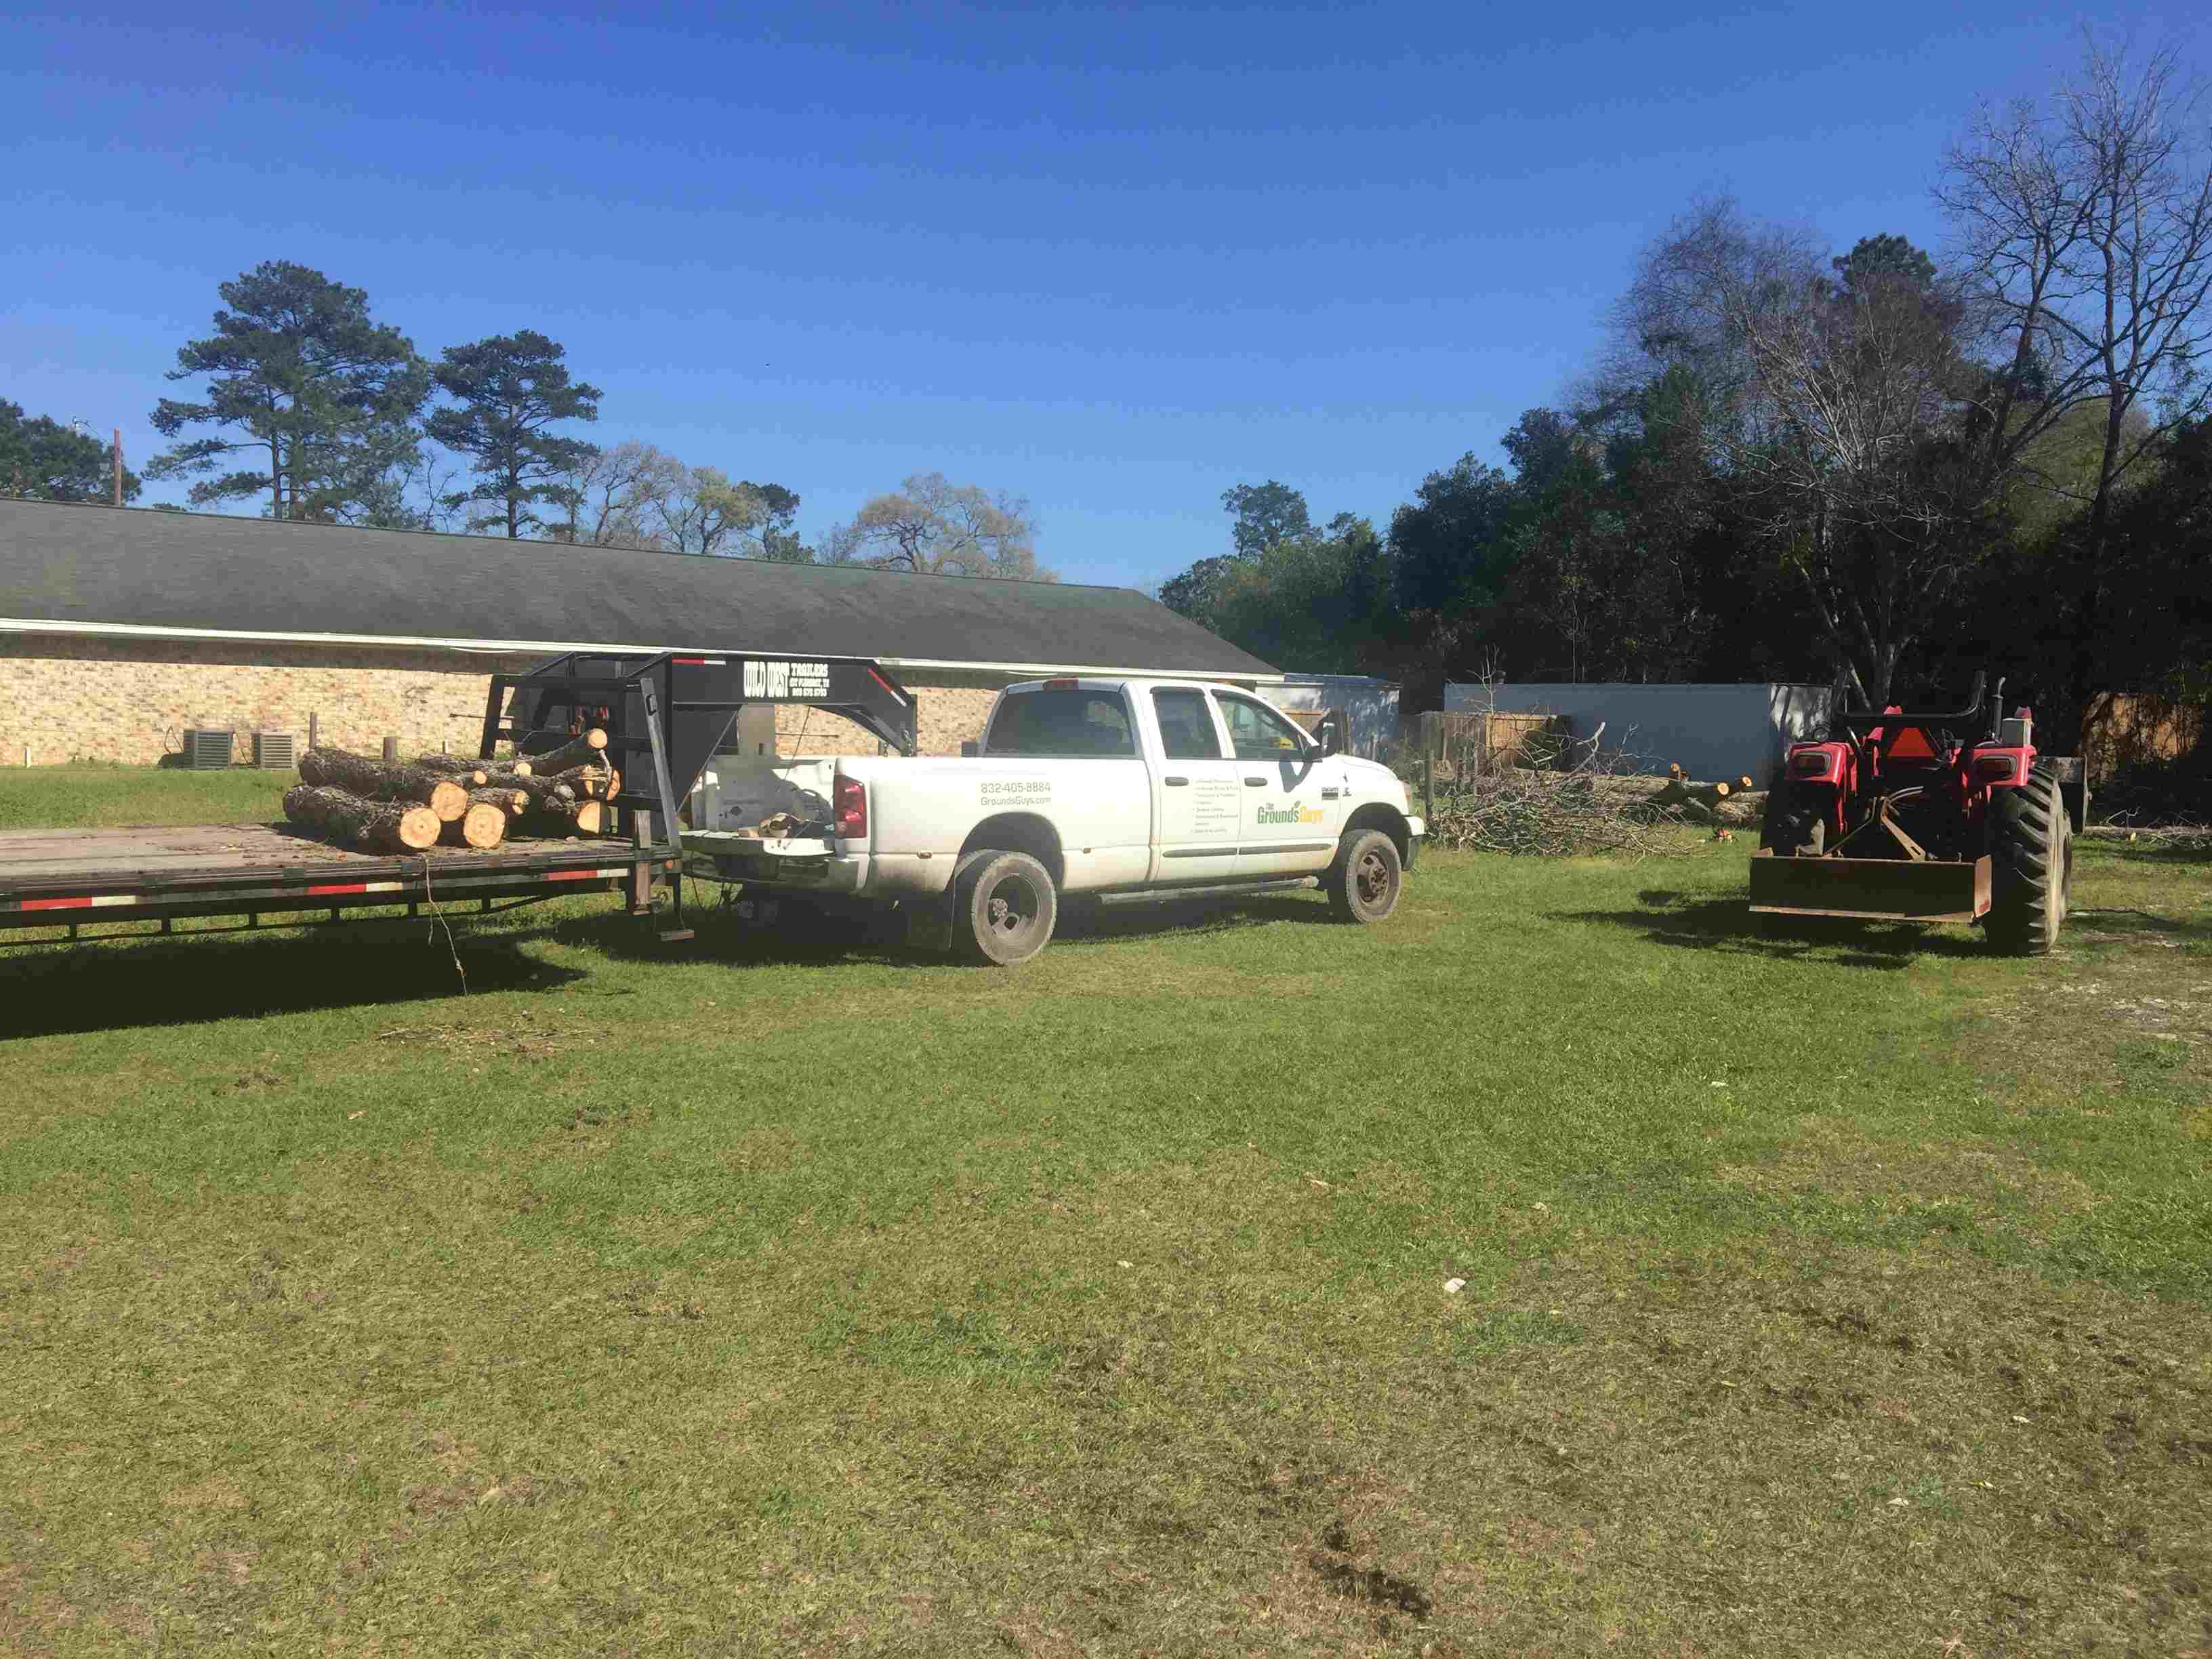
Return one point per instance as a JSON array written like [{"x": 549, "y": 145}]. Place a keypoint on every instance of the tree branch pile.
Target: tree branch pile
[{"x": 1585, "y": 800}]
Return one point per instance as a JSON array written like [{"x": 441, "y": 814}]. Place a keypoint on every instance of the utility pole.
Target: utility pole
[{"x": 119, "y": 465}]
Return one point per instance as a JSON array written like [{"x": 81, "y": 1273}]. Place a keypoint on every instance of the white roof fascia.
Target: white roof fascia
[{"x": 547, "y": 648}]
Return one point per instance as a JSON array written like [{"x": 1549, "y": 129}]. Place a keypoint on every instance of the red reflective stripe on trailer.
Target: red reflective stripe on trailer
[
  {"x": 86, "y": 903},
  {"x": 887, "y": 686},
  {"x": 613, "y": 874},
  {"x": 356, "y": 887},
  {"x": 700, "y": 662}
]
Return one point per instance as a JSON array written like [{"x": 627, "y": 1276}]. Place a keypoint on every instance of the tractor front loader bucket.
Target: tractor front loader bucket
[{"x": 1872, "y": 890}]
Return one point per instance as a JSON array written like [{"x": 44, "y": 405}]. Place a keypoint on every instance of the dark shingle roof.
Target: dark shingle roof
[{"x": 137, "y": 567}]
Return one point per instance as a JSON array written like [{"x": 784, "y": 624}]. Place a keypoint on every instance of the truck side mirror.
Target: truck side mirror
[
  {"x": 970, "y": 749},
  {"x": 1329, "y": 743}
]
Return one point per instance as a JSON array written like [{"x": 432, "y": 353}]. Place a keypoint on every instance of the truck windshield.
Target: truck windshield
[{"x": 1063, "y": 723}]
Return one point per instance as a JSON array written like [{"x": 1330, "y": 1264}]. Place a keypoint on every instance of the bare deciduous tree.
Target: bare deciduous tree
[
  {"x": 942, "y": 529},
  {"x": 1834, "y": 393},
  {"x": 2086, "y": 221},
  {"x": 617, "y": 495}
]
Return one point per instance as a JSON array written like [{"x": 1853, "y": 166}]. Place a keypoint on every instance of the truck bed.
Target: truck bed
[{"x": 52, "y": 878}]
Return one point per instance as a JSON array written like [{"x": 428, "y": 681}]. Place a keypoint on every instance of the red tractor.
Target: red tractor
[{"x": 1906, "y": 816}]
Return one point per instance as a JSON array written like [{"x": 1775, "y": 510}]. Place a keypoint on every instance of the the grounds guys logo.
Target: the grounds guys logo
[{"x": 1293, "y": 813}]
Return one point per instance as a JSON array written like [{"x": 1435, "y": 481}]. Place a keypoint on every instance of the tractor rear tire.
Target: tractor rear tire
[
  {"x": 1791, "y": 829},
  {"x": 2031, "y": 867}
]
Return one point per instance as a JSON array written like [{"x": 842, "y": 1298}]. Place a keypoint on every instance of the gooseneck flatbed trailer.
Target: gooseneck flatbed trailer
[{"x": 665, "y": 715}]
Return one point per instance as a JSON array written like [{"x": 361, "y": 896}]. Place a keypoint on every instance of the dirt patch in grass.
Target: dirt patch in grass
[{"x": 1836, "y": 1158}]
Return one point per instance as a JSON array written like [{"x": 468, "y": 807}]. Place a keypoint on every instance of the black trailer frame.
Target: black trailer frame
[{"x": 669, "y": 710}]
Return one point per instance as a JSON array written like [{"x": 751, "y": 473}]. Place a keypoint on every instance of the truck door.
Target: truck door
[
  {"x": 1292, "y": 798},
  {"x": 1197, "y": 792}
]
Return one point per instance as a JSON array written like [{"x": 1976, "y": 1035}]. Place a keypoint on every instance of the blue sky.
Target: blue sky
[{"x": 1115, "y": 259}]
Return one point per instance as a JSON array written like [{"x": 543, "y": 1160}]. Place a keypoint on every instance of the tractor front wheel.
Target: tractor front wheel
[
  {"x": 2031, "y": 867},
  {"x": 1791, "y": 827}
]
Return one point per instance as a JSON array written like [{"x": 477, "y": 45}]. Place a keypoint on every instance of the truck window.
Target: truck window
[
  {"x": 1062, "y": 723},
  {"x": 1258, "y": 732},
  {"x": 1186, "y": 726}
]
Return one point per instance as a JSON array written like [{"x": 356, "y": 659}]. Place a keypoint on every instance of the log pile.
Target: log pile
[
  {"x": 355, "y": 801},
  {"x": 1736, "y": 802}
]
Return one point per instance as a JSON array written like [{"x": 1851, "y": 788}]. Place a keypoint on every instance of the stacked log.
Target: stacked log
[
  {"x": 355, "y": 801},
  {"x": 535, "y": 790},
  {"x": 373, "y": 779},
  {"x": 591, "y": 782},
  {"x": 482, "y": 826},
  {"x": 585, "y": 750},
  {"x": 558, "y": 815},
  {"x": 347, "y": 820},
  {"x": 461, "y": 768},
  {"x": 1718, "y": 804}
]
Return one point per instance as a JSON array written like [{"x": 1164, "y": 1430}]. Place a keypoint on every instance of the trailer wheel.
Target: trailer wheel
[
  {"x": 1366, "y": 877},
  {"x": 2031, "y": 867},
  {"x": 1003, "y": 906}
]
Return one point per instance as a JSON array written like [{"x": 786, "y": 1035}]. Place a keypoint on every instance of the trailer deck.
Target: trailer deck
[{"x": 67, "y": 878}]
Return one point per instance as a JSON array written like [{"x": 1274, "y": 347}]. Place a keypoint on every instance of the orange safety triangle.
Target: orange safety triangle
[{"x": 1910, "y": 742}]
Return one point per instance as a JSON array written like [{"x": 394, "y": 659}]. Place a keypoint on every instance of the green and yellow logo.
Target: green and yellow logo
[{"x": 1293, "y": 813}]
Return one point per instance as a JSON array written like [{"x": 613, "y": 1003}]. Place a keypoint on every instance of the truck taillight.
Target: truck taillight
[{"x": 852, "y": 806}]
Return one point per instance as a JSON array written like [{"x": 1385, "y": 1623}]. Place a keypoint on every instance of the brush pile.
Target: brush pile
[
  {"x": 408, "y": 807},
  {"x": 1597, "y": 807}
]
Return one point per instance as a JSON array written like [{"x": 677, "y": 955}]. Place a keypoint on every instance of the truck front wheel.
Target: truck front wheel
[
  {"x": 1003, "y": 906},
  {"x": 1366, "y": 878}
]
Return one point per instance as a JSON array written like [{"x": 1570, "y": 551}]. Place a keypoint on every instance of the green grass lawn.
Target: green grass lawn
[
  {"x": 1839, "y": 1294},
  {"x": 117, "y": 797}
]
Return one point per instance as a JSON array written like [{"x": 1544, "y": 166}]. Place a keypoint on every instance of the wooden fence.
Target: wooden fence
[{"x": 1465, "y": 745}]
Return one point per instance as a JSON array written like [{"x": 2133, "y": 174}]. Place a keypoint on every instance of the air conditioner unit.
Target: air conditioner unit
[
  {"x": 274, "y": 751},
  {"x": 207, "y": 751}
]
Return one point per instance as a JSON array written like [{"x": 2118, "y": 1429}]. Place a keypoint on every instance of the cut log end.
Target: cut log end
[
  {"x": 418, "y": 828},
  {"x": 482, "y": 826},
  {"x": 448, "y": 800},
  {"x": 588, "y": 814}
]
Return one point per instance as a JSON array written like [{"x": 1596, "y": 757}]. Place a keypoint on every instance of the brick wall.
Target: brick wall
[
  {"x": 951, "y": 709},
  {"x": 130, "y": 700}
]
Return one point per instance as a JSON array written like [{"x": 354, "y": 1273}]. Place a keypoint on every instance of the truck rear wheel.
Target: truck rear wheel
[
  {"x": 1366, "y": 878},
  {"x": 1003, "y": 906},
  {"x": 2031, "y": 867}
]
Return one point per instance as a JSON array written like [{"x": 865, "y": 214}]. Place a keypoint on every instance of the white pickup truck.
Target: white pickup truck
[{"x": 1082, "y": 791}]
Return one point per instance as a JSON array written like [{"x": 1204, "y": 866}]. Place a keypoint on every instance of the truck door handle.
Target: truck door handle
[
  {"x": 1174, "y": 783},
  {"x": 1255, "y": 783}
]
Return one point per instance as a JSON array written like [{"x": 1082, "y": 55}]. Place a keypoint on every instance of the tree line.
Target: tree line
[
  {"x": 1884, "y": 466},
  {"x": 306, "y": 402}
]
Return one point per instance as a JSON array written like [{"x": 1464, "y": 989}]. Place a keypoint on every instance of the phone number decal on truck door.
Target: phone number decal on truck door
[{"x": 999, "y": 791}]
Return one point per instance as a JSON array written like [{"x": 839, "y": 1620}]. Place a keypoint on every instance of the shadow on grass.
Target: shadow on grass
[
  {"x": 1729, "y": 925},
  {"x": 824, "y": 941},
  {"x": 56, "y": 990}
]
